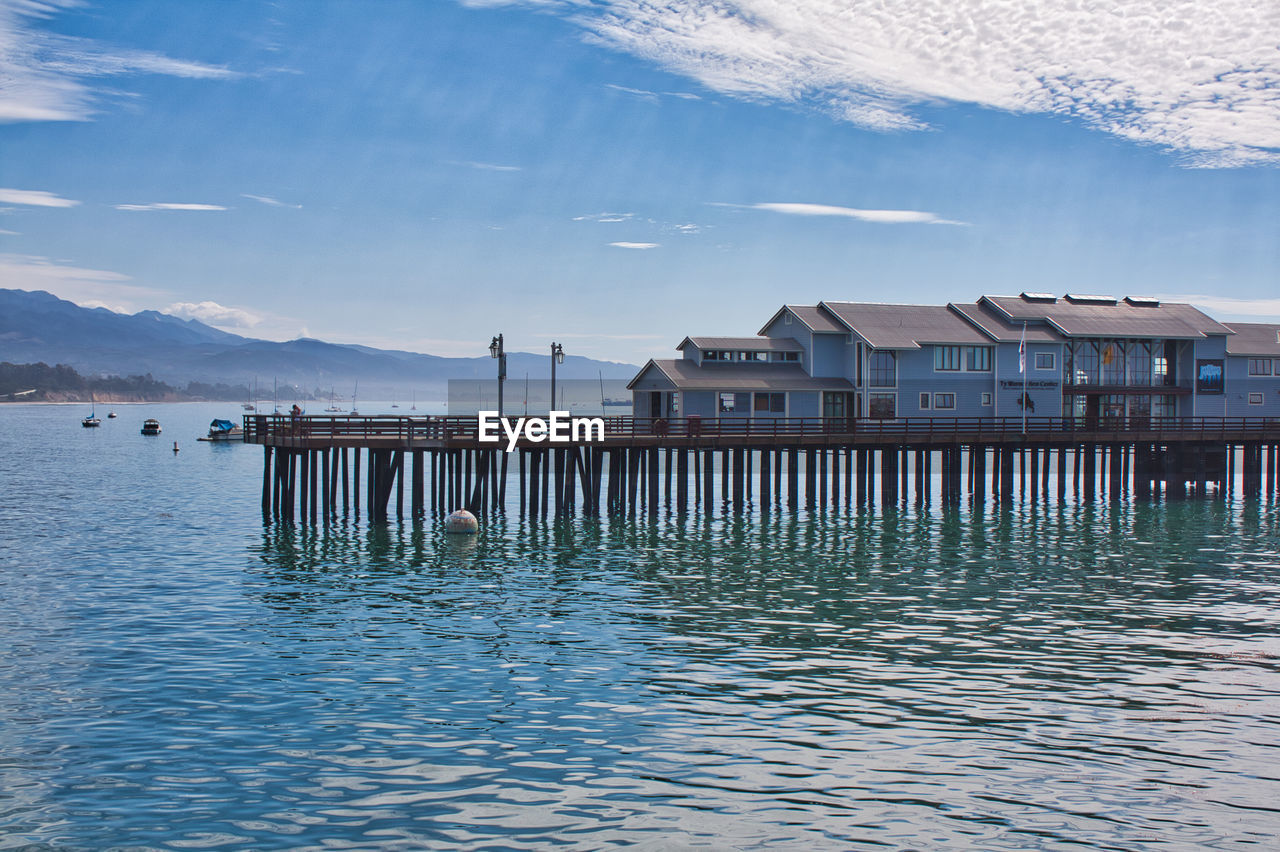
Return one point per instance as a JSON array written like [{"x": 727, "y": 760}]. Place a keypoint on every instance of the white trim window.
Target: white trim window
[
  {"x": 882, "y": 406},
  {"x": 924, "y": 400},
  {"x": 1046, "y": 361},
  {"x": 944, "y": 401},
  {"x": 986, "y": 397},
  {"x": 1255, "y": 399},
  {"x": 1259, "y": 366},
  {"x": 977, "y": 359},
  {"x": 946, "y": 358}
]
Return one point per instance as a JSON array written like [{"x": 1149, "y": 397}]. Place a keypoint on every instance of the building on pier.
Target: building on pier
[{"x": 1092, "y": 357}]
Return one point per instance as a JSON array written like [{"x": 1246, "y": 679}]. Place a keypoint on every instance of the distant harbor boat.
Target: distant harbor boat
[
  {"x": 92, "y": 420},
  {"x": 151, "y": 426},
  {"x": 111, "y": 415}
]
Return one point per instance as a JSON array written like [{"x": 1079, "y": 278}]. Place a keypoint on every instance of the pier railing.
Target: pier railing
[{"x": 260, "y": 428}]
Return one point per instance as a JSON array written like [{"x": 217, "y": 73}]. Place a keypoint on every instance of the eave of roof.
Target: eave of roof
[
  {"x": 916, "y": 325},
  {"x": 737, "y": 376}
]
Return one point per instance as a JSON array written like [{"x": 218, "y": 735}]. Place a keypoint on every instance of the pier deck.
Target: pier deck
[{"x": 644, "y": 462}]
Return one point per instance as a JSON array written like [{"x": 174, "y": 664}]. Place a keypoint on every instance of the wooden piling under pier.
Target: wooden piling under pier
[{"x": 309, "y": 473}]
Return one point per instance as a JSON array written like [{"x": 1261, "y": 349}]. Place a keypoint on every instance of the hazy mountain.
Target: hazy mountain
[{"x": 37, "y": 326}]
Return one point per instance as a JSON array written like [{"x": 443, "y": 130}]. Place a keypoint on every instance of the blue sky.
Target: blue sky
[{"x": 616, "y": 175}]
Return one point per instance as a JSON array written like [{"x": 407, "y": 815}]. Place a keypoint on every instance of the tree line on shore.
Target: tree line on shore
[{"x": 61, "y": 383}]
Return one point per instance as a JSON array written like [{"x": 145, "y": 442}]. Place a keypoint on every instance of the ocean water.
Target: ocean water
[{"x": 174, "y": 674}]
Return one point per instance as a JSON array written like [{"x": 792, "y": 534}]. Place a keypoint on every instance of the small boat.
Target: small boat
[
  {"x": 151, "y": 426},
  {"x": 92, "y": 420},
  {"x": 222, "y": 430},
  {"x": 111, "y": 415}
]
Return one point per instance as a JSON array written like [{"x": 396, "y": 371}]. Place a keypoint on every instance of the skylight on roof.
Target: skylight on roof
[
  {"x": 1084, "y": 298},
  {"x": 1039, "y": 297},
  {"x": 1145, "y": 301}
]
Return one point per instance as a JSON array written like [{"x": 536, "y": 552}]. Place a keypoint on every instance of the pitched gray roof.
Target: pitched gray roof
[
  {"x": 758, "y": 344},
  {"x": 1253, "y": 338},
  {"x": 905, "y": 326},
  {"x": 738, "y": 376},
  {"x": 811, "y": 316},
  {"x": 1001, "y": 329},
  {"x": 1085, "y": 319}
]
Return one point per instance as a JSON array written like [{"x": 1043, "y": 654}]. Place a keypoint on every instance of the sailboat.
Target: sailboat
[
  {"x": 248, "y": 405},
  {"x": 393, "y": 402},
  {"x": 354, "y": 391},
  {"x": 92, "y": 420},
  {"x": 414, "y": 406},
  {"x": 333, "y": 402}
]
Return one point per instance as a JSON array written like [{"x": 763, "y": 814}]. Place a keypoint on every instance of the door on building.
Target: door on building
[
  {"x": 838, "y": 410},
  {"x": 655, "y": 404}
]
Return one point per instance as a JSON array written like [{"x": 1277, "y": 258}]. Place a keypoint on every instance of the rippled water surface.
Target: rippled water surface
[{"x": 177, "y": 675}]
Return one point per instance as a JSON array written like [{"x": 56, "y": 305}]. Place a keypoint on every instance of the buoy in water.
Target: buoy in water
[
  {"x": 175, "y": 446},
  {"x": 461, "y": 521}
]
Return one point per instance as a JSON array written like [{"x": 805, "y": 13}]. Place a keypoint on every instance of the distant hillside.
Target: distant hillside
[{"x": 40, "y": 327}]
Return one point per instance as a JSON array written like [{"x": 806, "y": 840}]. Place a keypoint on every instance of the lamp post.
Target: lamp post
[
  {"x": 495, "y": 351},
  {"x": 557, "y": 357}
]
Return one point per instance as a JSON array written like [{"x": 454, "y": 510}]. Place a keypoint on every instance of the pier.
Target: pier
[{"x": 419, "y": 467}]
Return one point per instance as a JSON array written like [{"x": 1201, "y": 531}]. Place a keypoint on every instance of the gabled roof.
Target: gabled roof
[
  {"x": 1254, "y": 338},
  {"x": 757, "y": 344},
  {"x": 904, "y": 326},
  {"x": 686, "y": 375},
  {"x": 1084, "y": 318},
  {"x": 1002, "y": 330},
  {"x": 811, "y": 317}
]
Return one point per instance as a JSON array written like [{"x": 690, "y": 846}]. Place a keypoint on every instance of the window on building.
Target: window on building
[
  {"x": 784, "y": 356},
  {"x": 1259, "y": 366},
  {"x": 673, "y": 403},
  {"x": 835, "y": 404},
  {"x": 857, "y": 373},
  {"x": 986, "y": 397},
  {"x": 1113, "y": 362},
  {"x": 1140, "y": 363},
  {"x": 1164, "y": 405},
  {"x": 1045, "y": 361},
  {"x": 946, "y": 357},
  {"x": 881, "y": 406},
  {"x": 786, "y": 318},
  {"x": 726, "y": 403},
  {"x": 977, "y": 359},
  {"x": 924, "y": 401},
  {"x": 1255, "y": 399},
  {"x": 1085, "y": 362},
  {"x": 944, "y": 400},
  {"x": 775, "y": 403},
  {"x": 751, "y": 356},
  {"x": 717, "y": 355},
  {"x": 882, "y": 369}
]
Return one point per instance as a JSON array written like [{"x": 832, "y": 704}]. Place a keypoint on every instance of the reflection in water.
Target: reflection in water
[{"x": 1034, "y": 676}]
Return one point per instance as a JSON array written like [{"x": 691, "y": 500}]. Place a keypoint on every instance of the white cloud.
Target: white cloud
[
  {"x": 269, "y": 201},
  {"x": 34, "y": 197},
  {"x": 169, "y": 206},
  {"x": 84, "y": 286},
  {"x": 1228, "y": 306},
  {"x": 635, "y": 245},
  {"x": 605, "y": 217},
  {"x": 6, "y": 232},
  {"x": 42, "y": 75},
  {"x": 214, "y": 314},
  {"x": 884, "y": 217},
  {"x": 486, "y": 167},
  {"x": 1201, "y": 79},
  {"x": 652, "y": 96}
]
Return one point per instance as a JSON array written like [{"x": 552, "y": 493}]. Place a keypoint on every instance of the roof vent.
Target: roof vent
[
  {"x": 1039, "y": 297},
  {"x": 1083, "y": 299},
  {"x": 1143, "y": 301}
]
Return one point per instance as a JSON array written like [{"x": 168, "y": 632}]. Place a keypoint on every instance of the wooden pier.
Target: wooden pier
[{"x": 317, "y": 467}]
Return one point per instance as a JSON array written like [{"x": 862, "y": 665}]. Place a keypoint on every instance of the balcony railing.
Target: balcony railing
[{"x": 284, "y": 430}]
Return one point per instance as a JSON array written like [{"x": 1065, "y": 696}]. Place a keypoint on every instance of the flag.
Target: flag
[{"x": 1022, "y": 350}]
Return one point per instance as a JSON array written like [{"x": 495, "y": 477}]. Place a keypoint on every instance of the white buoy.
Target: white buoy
[{"x": 461, "y": 521}]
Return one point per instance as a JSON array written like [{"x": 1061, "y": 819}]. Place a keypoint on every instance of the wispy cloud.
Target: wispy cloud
[
  {"x": 269, "y": 201},
  {"x": 884, "y": 217},
  {"x": 641, "y": 246},
  {"x": 652, "y": 96},
  {"x": 34, "y": 197},
  {"x": 6, "y": 232},
  {"x": 486, "y": 167},
  {"x": 85, "y": 286},
  {"x": 215, "y": 314},
  {"x": 1197, "y": 78},
  {"x": 170, "y": 206},
  {"x": 1228, "y": 306},
  {"x": 605, "y": 217},
  {"x": 42, "y": 75}
]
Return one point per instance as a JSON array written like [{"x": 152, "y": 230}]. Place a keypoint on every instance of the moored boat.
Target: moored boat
[
  {"x": 223, "y": 430},
  {"x": 151, "y": 426}
]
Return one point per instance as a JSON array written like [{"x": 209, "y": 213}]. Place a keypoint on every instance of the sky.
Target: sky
[{"x": 615, "y": 175}]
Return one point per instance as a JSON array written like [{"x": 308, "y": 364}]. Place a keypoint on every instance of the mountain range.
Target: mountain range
[{"x": 38, "y": 326}]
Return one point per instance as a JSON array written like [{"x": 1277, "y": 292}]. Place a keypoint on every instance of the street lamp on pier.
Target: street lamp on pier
[
  {"x": 495, "y": 351},
  {"x": 557, "y": 357}
]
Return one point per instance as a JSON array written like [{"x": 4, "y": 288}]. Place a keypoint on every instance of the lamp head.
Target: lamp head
[{"x": 495, "y": 347}]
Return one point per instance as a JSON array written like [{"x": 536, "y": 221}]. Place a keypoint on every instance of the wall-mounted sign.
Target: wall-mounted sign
[
  {"x": 1042, "y": 384},
  {"x": 1209, "y": 375}
]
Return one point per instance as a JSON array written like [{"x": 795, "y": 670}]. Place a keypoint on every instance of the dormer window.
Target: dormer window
[
  {"x": 750, "y": 356},
  {"x": 717, "y": 355}
]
